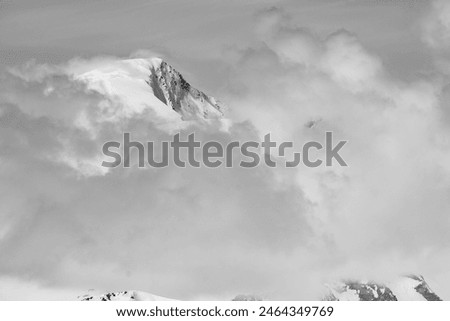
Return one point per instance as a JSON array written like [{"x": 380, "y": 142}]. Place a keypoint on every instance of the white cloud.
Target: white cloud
[
  {"x": 197, "y": 233},
  {"x": 387, "y": 210},
  {"x": 436, "y": 26}
]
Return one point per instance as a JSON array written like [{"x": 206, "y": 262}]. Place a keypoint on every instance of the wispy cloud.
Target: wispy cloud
[{"x": 67, "y": 223}]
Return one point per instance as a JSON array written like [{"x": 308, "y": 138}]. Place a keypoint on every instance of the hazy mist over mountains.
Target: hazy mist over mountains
[{"x": 75, "y": 75}]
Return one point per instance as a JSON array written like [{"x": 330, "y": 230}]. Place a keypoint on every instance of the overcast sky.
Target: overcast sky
[
  {"x": 198, "y": 32},
  {"x": 376, "y": 73}
]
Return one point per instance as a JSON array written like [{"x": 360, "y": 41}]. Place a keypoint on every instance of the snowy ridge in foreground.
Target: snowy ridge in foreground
[
  {"x": 407, "y": 288},
  {"x": 124, "y": 296}
]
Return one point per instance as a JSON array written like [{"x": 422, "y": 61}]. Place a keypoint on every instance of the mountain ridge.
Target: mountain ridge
[
  {"x": 171, "y": 88},
  {"x": 406, "y": 288}
]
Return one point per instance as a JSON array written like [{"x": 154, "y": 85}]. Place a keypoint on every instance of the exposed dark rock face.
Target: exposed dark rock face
[
  {"x": 424, "y": 289},
  {"x": 373, "y": 292},
  {"x": 408, "y": 287},
  {"x": 107, "y": 296},
  {"x": 172, "y": 89},
  {"x": 363, "y": 291}
]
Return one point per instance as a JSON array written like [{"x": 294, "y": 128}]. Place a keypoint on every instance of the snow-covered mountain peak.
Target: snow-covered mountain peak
[
  {"x": 138, "y": 85},
  {"x": 172, "y": 89},
  {"x": 406, "y": 288},
  {"x": 123, "y": 296}
]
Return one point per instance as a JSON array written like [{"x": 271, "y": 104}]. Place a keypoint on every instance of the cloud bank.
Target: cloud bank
[{"x": 68, "y": 224}]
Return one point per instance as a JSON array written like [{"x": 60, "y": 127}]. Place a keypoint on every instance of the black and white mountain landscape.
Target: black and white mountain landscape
[
  {"x": 406, "y": 288},
  {"x": 77, "y": 75},
  {"x": 170, "y": 87}
]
